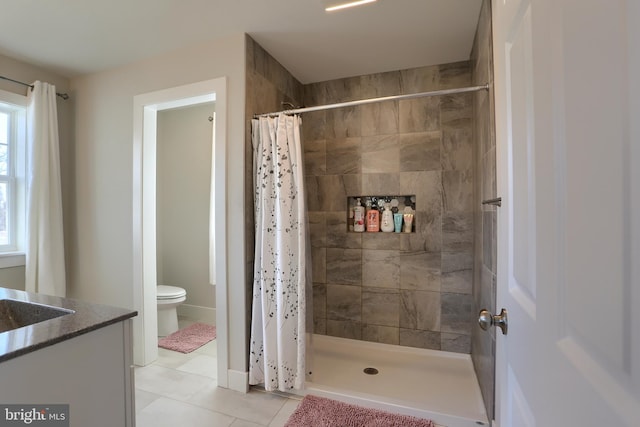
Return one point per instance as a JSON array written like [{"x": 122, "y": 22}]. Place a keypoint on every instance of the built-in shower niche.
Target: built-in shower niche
[{"x": 405, "y": 204}]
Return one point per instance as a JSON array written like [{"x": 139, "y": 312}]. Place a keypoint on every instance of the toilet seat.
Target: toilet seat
[{"x": 165, "y": 292}]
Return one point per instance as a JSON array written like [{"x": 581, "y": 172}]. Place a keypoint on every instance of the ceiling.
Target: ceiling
[{"x": 75, "y": 37}]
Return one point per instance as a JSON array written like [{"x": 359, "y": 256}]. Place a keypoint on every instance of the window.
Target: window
[{"x": 12, "y": 173}]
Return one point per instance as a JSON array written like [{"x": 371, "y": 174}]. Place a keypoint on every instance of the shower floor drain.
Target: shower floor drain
[{"x": 370, "y": 371}]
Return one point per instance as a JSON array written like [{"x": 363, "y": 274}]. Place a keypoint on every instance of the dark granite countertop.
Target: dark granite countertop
[{"x": 86, "y": 317}]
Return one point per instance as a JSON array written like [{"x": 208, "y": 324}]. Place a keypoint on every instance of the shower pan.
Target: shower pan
[{"x": 433, "y": 384}]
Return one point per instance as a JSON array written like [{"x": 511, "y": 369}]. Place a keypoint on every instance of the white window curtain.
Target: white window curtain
[
  {"x": 45, "y": 270},
  {"x": 277, "y": 348}
]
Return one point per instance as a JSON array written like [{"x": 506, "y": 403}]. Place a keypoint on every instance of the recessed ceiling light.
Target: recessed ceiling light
[{"x": 337, "y": 5}]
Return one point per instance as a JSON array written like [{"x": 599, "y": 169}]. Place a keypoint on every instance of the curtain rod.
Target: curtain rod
[
  {"x": 61, "y": 95},
  {"x": 372, "y": 100}
]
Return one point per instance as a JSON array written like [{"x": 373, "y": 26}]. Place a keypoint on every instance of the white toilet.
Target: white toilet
[{"x": 169, "y": 298}]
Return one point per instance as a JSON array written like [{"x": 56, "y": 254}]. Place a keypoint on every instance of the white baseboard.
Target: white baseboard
[
  {"x": 238, "y": 381},
  {"x": 198, "y": 313}
]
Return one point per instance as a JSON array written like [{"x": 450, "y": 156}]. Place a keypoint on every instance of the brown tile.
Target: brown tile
[
  {"x": 429, "y": 226},
  {"x": 420, "y": 310},
  {"x": 420, "y": 271},
  {"x": 344, "y": 329},
  {"x": 265, "y": 94},
  {"x": 315, "y": 94},
  {"x": 249, "y": 52},
  {"x": 319, "y": 265},
  {"x": 342, "y": 123},
  {"x": 387, "y": 241},
  {"x": 312, "y": 191},
  {"x": 381, "y": 268},
  {"x": 319, "y": 301},
  {"x": 380, "y": 118},
  {"x": 315, "y": 157},
  {"x": 483, "y": 356},
  {"x": 344, "y": 266},
  {"x": 457, "y": 149},
  {"x": 380, "y": 307},
  {"x": 486, "y": 296},
  {"x": 331, "y": 192},
  {"x": 317, "y": 229},
  {"x": 443, "y": 220},
  {"x": 344, "y": 302},
  {"x": 344, "y": 156},
  {"x": 419, "y": 115},
  {"x": 313, "y": 126},
  {"x": 457, "y": 190},
  {"x": 456, "y": 343},
  {"x": 454, "y": 75},
  {"x": 342, "y": 90},
  {"x": 381, "y": 334},
  {"x": 458, "y": 282},
  {"x": 380, "y": 84},
  {"x": 420, "y": 339},
  {"x": 457, "y": 313},
  {"x": 427, "y": 236},
  {"x": 487, "y": 238},
  {"x": 420, "y": 151},
  {"x": 456, "y": 110},
  {"x": 320, "y": 326},
  {"x": 457, "y": 231},
  {"x": 489, "y": 184},
  {"x": 456, "y": 261},
  {"x": 427, "y": 187},
  {"x": 380, "y": 184},
  {"x": 338, "y": 235},
  {"x": 380, "y": 154},
  {"x": 421, "y": 79}
]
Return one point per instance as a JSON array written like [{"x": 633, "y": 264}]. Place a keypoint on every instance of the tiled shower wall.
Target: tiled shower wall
[
  {"x": 268, "y": 84},
  {"x": 484, "y": 283},
  {"x": 407, "y": 289}
]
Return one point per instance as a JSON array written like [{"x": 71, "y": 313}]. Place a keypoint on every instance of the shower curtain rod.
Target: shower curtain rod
[
  {"x": 372, "y": 100},
  {"x": 61, "y": 95}
]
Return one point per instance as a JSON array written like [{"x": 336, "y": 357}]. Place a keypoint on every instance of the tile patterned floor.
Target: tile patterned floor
[{"x": 181, "y": 389}]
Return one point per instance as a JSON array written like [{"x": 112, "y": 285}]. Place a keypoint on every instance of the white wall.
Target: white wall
[
  {"x": 13, "y": 277},
  {"x": 102, "y": 269},
  {"x": 184, "y": 145}
]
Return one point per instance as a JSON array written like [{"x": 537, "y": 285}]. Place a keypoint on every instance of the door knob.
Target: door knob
[{"x": 486, "y": 320}]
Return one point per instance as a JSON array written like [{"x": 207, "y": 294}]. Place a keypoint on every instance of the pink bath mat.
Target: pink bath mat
[
  {"x": 316, "y": 411},
  {"x": 188, "y": 339}
]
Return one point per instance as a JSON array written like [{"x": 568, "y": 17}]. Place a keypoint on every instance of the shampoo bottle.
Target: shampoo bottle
[
  {"x": 358, "y": 217},
  {"x": 367, "y": 209},
  {"x": 387, "y": 219},
  {"x": 373, "y": 220}
]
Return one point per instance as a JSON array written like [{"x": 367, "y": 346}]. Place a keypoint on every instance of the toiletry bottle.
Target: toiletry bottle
[
  {"x": 358, "y": 217},
  {"x": 351, "y": 218},
  {"x": 397, "y": 222},
  {"x": 408, "y": 219},
  {"x": 373, "y": 220},
  {"x": 386, "y": 223},
  {"x": 367, "y": 209}
]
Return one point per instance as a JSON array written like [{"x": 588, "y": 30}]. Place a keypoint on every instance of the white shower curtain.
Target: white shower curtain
[
  {"x": 44, "y": 271},
  {"x": 277, "y": 352}
]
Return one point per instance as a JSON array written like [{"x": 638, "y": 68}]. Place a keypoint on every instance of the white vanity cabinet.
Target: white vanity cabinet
[
  {"x": 82, "y": 358},
  {"x": 92, "y": 373}
]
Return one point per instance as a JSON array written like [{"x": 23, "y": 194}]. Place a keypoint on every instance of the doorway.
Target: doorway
[
  {"x": 146, "y": 107},
  {"x": 183, "y": 194}
]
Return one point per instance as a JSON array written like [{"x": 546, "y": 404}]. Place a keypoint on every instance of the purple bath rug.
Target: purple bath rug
[
  {"x": 188, "y": 339},
  {"x": 316, "y": 411}
]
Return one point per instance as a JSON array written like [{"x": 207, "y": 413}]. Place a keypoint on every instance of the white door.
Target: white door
[{"x": 568, "y": 142}]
